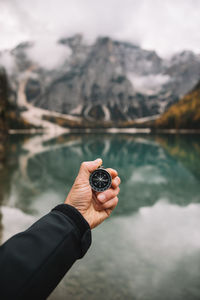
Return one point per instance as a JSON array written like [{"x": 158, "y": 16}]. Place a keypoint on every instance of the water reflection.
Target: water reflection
[
  {"x": 150, "y": 248},
  {"x": 149, "y": 167},
  {"x": 155, "y": 254}
]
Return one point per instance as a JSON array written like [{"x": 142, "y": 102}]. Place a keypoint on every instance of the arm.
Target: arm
[{"x": 33, "y": 262}]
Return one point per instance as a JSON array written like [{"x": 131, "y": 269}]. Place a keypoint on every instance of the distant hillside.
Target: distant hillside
[
  {"x": 183, "y": 115},
  {"x": 3, "y": 106},
  {"x": 10, "y": 113}
]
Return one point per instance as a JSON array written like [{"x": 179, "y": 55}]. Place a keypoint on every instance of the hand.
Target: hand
[{"x": 95, "y": 207}]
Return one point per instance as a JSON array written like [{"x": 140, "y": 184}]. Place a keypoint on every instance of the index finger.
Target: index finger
[{"x": 112, "y": 172}]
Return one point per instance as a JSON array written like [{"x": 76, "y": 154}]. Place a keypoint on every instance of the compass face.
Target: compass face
[{"x": 100, "y": 180}]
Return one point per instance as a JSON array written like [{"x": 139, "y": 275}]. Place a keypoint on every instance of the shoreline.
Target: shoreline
[{"x": 113, "y": 130}]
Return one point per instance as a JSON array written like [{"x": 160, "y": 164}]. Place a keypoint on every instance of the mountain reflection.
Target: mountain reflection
[
  {"x": 151, "y": 168},
  {"x": 150, "y": 249}
]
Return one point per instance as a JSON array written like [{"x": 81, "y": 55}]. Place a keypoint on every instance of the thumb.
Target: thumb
[{"x": 88, "y": 167}]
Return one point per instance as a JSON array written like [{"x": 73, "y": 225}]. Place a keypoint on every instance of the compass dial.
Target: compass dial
[{"x": 100, "y": 180}]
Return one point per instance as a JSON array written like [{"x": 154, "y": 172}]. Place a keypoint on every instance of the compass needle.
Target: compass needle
[{"x": 100, "y": 180}]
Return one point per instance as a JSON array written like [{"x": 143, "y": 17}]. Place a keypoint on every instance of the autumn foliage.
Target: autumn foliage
[{"x": 183, "y": 115}]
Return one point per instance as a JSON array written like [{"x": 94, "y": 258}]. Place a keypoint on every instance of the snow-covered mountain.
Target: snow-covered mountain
[{"x": 107, "y": 81}]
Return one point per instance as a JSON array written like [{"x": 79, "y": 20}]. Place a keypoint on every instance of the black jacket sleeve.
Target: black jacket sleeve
[{"x": 33, "y": 262}]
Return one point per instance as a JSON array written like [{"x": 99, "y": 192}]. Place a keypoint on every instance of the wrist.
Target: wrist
[
  {"x": 87, "y": 217},
  {"x": 84, "y": 214}
]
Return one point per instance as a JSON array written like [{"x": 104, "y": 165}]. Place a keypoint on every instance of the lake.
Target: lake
[{"x": 149, "y": 249}]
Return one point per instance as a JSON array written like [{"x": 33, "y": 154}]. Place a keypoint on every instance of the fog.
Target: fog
[
  {"x": 149, "y": 84},
  {"x": 49, "y": 58},
  {"x": 7, "y": 61},
  {"x": 166, "y": 26}
]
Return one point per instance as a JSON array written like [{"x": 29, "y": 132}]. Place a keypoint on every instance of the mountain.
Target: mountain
[
  {"x": 107, "y": 82},
  {"x": 183, "y": 115}
]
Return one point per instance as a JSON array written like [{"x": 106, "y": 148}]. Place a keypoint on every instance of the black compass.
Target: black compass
[{"x": 100, "y": 180}]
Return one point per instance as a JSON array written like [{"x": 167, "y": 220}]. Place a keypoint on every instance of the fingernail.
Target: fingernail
[
  {"x": 101, "y": 197},
  {"x": 98, "y": 160},
  {"x": 118, "y": 180}
]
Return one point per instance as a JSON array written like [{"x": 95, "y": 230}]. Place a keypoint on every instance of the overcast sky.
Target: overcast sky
[{"x": 166, "y": 26}]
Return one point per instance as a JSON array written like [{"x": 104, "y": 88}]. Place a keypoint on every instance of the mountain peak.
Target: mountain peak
[
  {"x": 72, "y": 41},
  {"x": 183, "y": 57}
]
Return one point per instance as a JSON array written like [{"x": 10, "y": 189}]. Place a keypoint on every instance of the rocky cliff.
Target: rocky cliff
[{"x": 108, "y": 81}]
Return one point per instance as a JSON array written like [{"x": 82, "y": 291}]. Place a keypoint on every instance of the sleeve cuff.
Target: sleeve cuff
[
  {"x": 80, "y": 222},
  {"x": 75, "y": 215}
]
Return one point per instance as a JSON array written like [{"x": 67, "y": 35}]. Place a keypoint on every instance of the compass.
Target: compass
[{"x": 100, "y": 180}]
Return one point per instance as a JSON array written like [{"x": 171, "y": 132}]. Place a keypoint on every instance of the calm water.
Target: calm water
[{"x": 150, "y": 247}]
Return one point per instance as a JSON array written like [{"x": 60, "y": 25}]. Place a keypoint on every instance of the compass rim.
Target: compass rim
[{"x": 108, "y": 185}]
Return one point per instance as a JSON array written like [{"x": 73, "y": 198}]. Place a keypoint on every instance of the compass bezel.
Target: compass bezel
[{"x": 108, "y": 185}]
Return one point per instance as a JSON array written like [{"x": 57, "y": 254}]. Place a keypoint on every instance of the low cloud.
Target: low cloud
[
  {"x": 149, "y": 84},
  {"x": 7, "y": 61},
  {"x": 166, "y": 26},
  {"x": 48, "y": 54}
]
